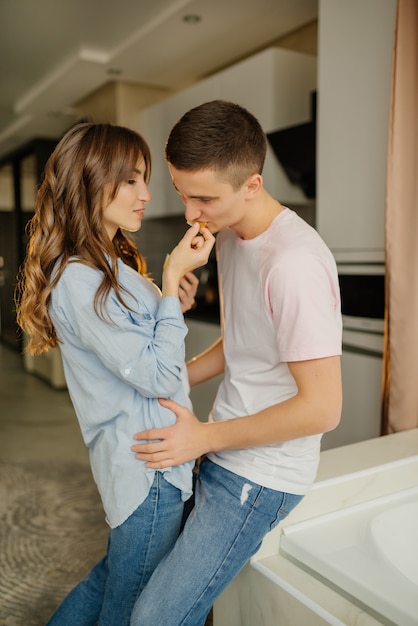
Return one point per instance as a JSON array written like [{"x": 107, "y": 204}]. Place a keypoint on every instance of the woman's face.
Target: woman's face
[{"x": 127, "y": 208}]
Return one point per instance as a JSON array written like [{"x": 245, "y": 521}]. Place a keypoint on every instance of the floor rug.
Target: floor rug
[{"x": 52, "y": 530}]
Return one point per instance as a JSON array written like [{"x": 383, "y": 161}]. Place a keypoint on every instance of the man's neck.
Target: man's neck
[{"x": 260, "y": 216}]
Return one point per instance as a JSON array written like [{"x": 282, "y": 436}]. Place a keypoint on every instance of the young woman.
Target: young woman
[{"x": 84, "y": 287}]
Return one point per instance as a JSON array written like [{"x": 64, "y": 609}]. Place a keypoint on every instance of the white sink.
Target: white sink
[
  {"x": 368, "y": 552},
  {"x": 394, "y": 534}
]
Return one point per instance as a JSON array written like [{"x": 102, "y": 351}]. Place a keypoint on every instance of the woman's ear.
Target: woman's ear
[{"x": 254, "y": 184}]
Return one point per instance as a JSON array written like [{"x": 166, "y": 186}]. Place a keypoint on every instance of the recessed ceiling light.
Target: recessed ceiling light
[{"x": 192, "y": 18}]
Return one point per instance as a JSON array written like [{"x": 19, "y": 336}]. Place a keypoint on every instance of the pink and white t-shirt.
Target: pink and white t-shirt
[{"x": 280, "y": 302}]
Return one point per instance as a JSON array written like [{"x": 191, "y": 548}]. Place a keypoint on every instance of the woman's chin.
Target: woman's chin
[{"x": 131, "y": 229}]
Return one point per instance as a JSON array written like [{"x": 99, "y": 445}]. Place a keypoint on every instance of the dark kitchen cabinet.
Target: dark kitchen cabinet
[{"x": 20, "y": 174}]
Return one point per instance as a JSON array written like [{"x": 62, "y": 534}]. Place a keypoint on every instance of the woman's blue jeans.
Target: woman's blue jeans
[
  {"x": 226, "y": 527},
  {"x": 107, "y": 595}
]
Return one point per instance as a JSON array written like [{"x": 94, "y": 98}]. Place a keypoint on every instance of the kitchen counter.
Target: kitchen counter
[{"x": 274, "y": 589}]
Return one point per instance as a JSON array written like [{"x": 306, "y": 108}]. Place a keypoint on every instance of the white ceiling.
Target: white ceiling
[{"x": 53, "y": 53}]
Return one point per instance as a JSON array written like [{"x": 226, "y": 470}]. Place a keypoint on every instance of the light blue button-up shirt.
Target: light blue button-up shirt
[{"x": 116, "y": 369}]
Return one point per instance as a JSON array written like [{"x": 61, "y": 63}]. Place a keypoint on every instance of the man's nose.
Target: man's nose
[{"x": 191, "y": 213}]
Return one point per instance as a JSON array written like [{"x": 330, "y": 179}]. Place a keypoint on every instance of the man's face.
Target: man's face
[{"x": 208, "y": 199}]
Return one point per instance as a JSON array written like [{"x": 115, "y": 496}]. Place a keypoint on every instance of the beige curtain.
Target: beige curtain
[{"x": 400, "y": 383}]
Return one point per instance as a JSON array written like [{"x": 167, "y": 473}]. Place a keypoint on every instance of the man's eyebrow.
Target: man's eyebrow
[{"x": 196, "y": 197}]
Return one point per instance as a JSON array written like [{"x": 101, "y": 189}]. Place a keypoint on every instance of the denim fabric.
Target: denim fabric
[
  {"x": 226, "y": 527},
  {"x": 107, "y": 595}
]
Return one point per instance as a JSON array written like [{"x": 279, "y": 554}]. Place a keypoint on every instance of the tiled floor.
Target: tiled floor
[{"x": 36, "y": 421}]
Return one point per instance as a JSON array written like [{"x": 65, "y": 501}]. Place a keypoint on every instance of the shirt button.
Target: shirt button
[{"x": 127, "y": 371}]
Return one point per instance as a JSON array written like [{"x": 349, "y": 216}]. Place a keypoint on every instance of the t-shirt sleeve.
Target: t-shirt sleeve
[{"x": 303, "y": 297}]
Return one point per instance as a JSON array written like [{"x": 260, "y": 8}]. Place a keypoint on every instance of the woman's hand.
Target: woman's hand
[
  {"x": 187, "y": 291},
  {"x": 192, "y": 251}
]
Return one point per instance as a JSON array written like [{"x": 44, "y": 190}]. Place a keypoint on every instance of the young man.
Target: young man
[{"x": 280, "y": 355}]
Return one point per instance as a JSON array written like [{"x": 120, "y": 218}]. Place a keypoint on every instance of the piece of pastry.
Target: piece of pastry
[{"x": 201, "y": 224}]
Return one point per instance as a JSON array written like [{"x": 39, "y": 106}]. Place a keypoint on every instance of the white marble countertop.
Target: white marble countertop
[
  {"x": 347, "y": 476},
  {"x": 367, "y": 454}
]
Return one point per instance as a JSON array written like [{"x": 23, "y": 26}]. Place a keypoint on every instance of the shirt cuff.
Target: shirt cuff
[{"x": 169, "y": 307}]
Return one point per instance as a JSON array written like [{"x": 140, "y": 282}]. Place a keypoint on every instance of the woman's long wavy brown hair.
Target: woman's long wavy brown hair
[{"x": 81, "y": 177}]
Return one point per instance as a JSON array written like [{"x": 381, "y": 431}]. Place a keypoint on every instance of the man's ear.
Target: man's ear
[{"x": 254, "y": 184}]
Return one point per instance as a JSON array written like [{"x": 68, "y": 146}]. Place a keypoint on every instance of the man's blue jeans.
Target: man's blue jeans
[
  {"x": 230, "y": 518},
  {"x": 107, "y": 595}
]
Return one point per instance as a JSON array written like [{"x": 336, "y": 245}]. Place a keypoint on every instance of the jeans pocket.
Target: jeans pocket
[{"x": 290, "y": 500}]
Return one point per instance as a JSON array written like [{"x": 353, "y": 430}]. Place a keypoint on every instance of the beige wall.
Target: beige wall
[
  {"x": 118, "y": 102},
  {"x": 302, "y": 40}
]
